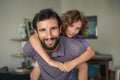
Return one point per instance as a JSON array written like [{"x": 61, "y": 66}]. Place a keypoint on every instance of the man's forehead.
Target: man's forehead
[{"x": 47, "y": 23}]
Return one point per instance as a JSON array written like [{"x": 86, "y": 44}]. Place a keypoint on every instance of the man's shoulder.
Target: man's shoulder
[
  {"x": 28, "y": 49},
  {"x": 69, "y": 41},
  {"x": 75, "y": 47},
  {"x": 26, "y": 45}
]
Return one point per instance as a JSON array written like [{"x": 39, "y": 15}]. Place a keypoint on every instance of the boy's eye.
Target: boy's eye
[
  {"x": 78, "y": 28},
  {"x": 71, "y": 25}
]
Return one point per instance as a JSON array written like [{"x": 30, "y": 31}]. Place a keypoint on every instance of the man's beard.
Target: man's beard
[{"x": 57, "y": 39}]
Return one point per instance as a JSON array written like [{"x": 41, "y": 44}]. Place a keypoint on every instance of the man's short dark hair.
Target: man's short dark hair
[{"x": 45, "y": 14}]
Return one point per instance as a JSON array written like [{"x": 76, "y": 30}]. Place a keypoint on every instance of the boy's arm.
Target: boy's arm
[
  {"x": 36, "y": 44},
  {"x": 88, "y": 54},
  {"x": 38, "y": 47}
]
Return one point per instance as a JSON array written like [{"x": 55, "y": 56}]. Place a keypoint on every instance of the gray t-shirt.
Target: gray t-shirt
[{"x": 68, "y": 50}]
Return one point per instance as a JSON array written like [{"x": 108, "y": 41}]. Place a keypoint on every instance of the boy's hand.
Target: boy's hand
[
  {"x": 68, "y": 66},
  {"x": 65, "y": 67},
  {"x": 56, "y": 64}
]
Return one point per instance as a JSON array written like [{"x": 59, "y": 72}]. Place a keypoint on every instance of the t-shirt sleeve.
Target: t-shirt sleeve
[
  {"x": 28, "y": 50},
  {"x": 78, "y": 49},
  {"x": 82, "y": 48},
  {"x": 84, "y": 42}
]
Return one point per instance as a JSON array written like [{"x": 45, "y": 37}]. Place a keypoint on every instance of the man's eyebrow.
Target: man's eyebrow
[
  {"x": 55, "y": 26},
  {"x": 40, "y": 29}
]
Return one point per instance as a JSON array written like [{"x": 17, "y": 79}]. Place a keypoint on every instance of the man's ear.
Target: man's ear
[{"x": 36, "y": 33}]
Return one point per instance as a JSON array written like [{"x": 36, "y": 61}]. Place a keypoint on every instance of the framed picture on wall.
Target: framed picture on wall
[
  {"x": 29, "y": 27},
  {"x": 92, "y": 31}
]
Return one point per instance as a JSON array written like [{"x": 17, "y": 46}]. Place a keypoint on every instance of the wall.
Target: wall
[
  {"x": 12, "y": 14},
  {"x": 108, "y": 13}
]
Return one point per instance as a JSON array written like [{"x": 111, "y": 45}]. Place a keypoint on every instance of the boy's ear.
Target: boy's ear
[{"x": 60, "y": 29}]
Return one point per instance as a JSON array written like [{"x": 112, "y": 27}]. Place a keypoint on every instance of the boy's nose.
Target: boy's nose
[{"x": 73, "y": 31}]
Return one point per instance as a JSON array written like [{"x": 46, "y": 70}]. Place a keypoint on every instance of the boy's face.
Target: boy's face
[
  {"x": 48, "y": 33},
  {"x": 73, "y": 29}
]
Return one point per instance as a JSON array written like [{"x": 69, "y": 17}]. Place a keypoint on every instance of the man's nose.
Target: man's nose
[{"x": 49, "y": 34}]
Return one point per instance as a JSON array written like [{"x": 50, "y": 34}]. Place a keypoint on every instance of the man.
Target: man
[{"x": 47, "y": 27}]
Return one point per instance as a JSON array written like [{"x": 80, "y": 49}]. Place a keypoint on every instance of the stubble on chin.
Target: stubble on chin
[{"x": 50, "y": 47}]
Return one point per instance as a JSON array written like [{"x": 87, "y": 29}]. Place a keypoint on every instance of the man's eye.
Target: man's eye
[{"x": 41, "y": 30}]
